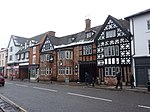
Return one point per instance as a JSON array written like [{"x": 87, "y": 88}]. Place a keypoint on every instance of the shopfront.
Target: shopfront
[
  {"x": 13, "y": 71},
  {"x": 33, "y": 72}
]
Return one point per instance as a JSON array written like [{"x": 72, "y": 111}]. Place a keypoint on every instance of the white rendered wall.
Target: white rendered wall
[
  {"x": 141, "y": 35},
  {"x": 15, "y": 50}
]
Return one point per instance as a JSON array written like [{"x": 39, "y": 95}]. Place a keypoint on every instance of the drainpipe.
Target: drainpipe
[{"x": 133, "y": 63}]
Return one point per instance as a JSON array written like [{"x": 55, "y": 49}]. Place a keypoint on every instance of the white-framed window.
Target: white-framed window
[
  {"x": 68, "y": 54},
  {"x": 11, "y": 49},
  {"x": 89, "y": 34},
  {"x": 87, "y": 50},
  {"x": 65, "y": 70},
  {"x": 22, "y": 55},
  {"x": 10, "y": 58},
  {"x": 110, "y": 33},
  {"x": 48, "y": 71},
  {"x": 111, "y": 51},
  {"x": 34, "y": 59},
  {"x": 61, "y": 55},
  {"x": 61, "y": 70},
  {"x": 27, "y": 55},
  {"x": 18, "y": 56},
  {"x": 148, "y": 24},
  {"x": 65, "y": 54},
  {"x": 111, "y": 71},
  {"x": 34, "y": 50}
]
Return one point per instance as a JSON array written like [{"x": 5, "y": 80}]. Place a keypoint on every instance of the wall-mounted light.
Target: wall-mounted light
[
  {"x": 51, "y": 59},
  {"x": 76, "y": 66}
]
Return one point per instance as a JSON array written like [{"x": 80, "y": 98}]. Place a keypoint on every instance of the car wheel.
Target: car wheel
[{"x": 3, "y": 84}]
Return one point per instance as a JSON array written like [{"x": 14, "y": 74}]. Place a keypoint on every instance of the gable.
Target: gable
[
  {"x": 11, "y": 43},
  {"x": 112, "y": 28},
  {"x": 47, "y": 45}
]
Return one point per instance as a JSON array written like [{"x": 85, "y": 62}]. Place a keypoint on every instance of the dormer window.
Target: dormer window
[
  {"x": 18, "y": 56},
  {"x": 70, "y": 40},
  {"x": 32, "y": 42},
  {"x": 22, "y": 55},
  {"x": 89, "y": 34},
  {"x": 73, "y": 38},
  {"x": 27, "y": 55}
]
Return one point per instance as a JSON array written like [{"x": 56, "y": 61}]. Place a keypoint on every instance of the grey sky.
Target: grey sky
[{"x": 28, "y": 18}]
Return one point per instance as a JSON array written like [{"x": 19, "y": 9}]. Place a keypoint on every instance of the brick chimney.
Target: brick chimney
[
  {"x": 51, "y": 33},
  {"x": 87, "y": 24}
]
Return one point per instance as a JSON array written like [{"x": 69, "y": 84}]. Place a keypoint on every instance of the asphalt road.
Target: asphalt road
[{"x": 37, "y": 97}]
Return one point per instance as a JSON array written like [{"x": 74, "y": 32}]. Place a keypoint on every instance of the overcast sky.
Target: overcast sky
[{"x": 28, "y": 18}]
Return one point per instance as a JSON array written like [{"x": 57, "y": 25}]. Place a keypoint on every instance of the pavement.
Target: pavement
[
  {"x": 125, "y": 88},
  {"x": 8, "y": 106}
]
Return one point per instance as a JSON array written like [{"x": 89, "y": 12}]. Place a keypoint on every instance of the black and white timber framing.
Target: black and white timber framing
[{"x": 113, "y": 43}]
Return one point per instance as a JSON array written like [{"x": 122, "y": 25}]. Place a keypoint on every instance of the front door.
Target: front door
[{"x": 141, "y": 77}]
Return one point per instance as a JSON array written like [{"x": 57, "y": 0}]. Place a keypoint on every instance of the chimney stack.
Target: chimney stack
[
  {"x": 51, "y": 33},
  {"x": 87, "y": 24}
]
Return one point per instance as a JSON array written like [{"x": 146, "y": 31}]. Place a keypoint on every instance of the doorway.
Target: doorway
[{"x": 90, "y": 68}]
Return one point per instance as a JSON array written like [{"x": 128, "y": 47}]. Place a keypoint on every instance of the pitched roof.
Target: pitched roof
[
  {"x": 38, "y": 37},
  {"x": 18, "y": 40},
  {"x": 75, "y": 39},
  {"x": 24, "y": 40},
  {"x": 138, "y": 14},
  {"x": 124, "y": 24}
]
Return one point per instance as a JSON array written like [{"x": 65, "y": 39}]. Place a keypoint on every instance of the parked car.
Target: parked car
[{"x": 2, "y": 80}]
